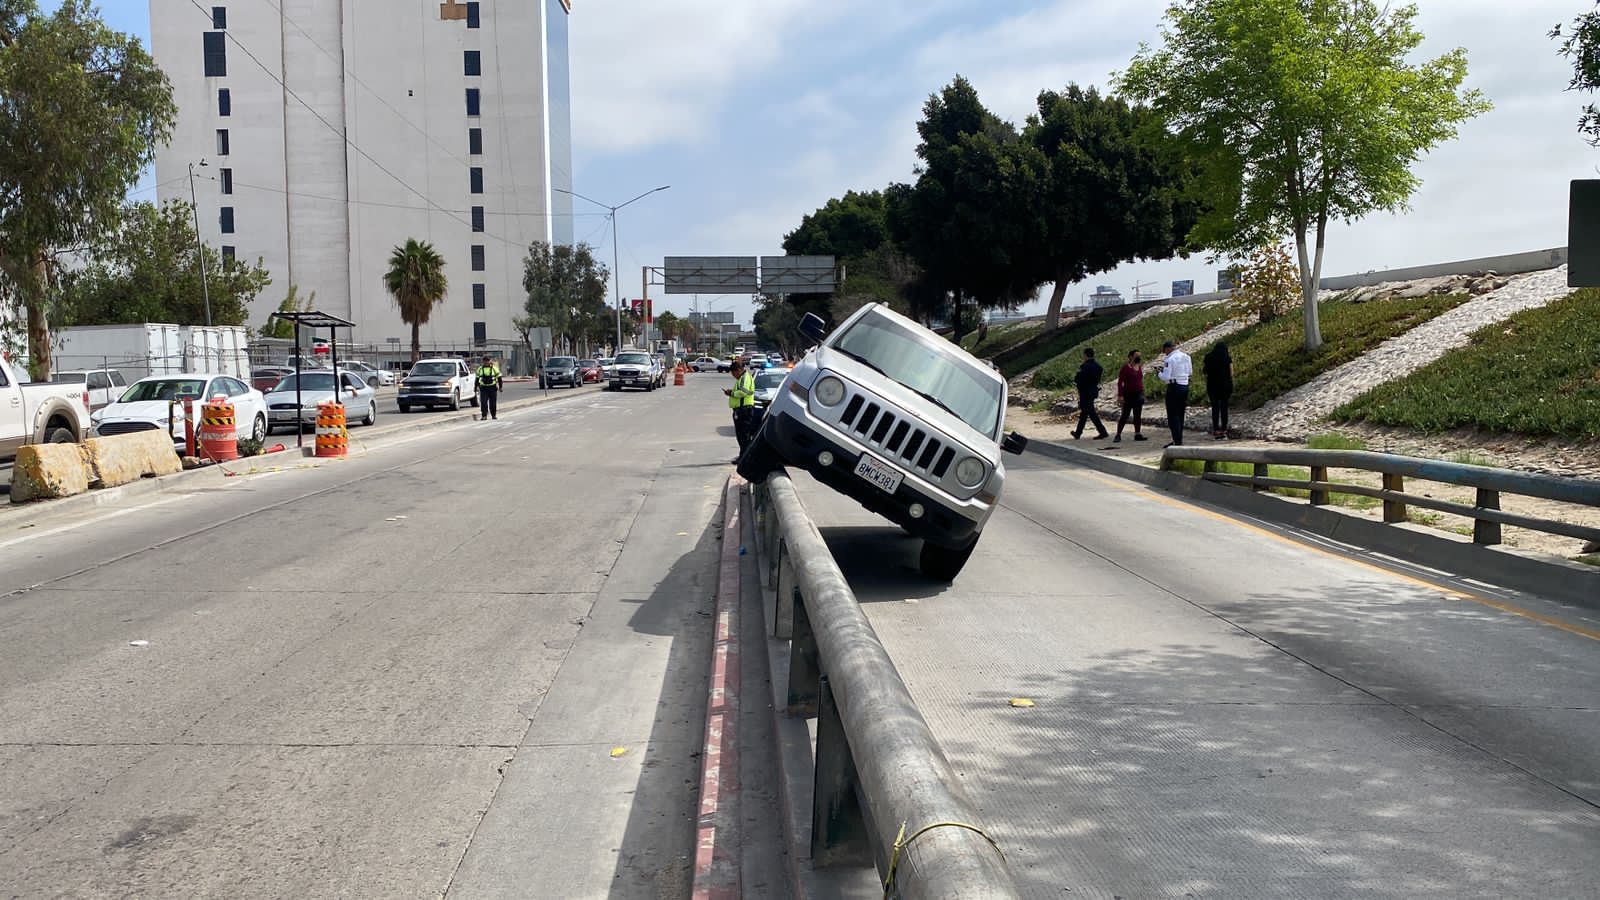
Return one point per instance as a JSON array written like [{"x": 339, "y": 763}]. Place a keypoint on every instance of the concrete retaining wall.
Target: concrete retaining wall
[
  {"x": 1509, "y": 264},
  {"x": 125, "y": 458},
  {"x": 47, "y": 472}
]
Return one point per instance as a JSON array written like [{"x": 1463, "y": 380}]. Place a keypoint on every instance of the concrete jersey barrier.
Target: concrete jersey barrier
[
  {"x": 124, "y": 458},
  {"x": 48, "y": 472}
]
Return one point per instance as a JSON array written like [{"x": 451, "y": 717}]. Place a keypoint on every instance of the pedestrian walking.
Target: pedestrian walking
[
  {"x": 742, "y": 400},
  {"x": 1088, "y": 381},
  {"x": 489, "y": 382},
  {"x": 1218, "y": 369},
  {"x": 1175, "y": 371},
  {"x": 1130, "y": 396}
]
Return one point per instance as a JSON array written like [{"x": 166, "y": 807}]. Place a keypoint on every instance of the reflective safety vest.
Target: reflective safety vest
[
  {"x": 744, "y": 391},
  {"x": 488, "y": 376}
]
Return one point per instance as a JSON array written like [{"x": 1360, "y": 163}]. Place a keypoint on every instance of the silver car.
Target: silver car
[
  {"x": 284, "y": 410},
  {"x": 901, "y": 420}
]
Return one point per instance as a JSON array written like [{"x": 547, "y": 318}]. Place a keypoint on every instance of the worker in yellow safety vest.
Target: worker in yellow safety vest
[
  {"x": 489, "y": 381},
  {"x": 742, "y": 400}
]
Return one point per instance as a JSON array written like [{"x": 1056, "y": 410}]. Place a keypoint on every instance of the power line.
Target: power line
[{"x": 377, "y": 203}]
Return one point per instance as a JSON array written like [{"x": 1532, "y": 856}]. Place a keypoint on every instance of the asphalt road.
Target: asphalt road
[
  {"x": 470, "y": 661},
  {"x": 1223, "y": 712}
]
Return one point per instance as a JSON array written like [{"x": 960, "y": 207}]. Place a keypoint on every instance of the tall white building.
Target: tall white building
[{"x": 334, "y": 130}]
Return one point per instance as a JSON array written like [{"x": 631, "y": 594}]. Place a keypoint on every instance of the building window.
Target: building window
[
  {"x": 475, "y": 175},
  {"x": 227, "y": 220},
  {"x": 472, "y": 61},
  {"x": 475, "y": 141},
  {"x": 473, "y": 20},
  {"x": 216, "y": 54},
  {"x": 480, "y": 332},
  {"x": 222, "y": 142},
  {"x": 477, "y": 218},
  {"x": 477, "y": 258},
  {"x": 474, "y": 97},
  {"x": 480, "y": 298},
  {"x": 219, "y": 17},
  {"x": 226, "y": 181},
  {"x": 224, "y": 102},
  {"x": 228, "y": 253}
]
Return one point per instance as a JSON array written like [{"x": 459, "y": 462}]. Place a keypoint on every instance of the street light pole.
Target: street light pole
[
  {"x": 616, "y": 280},
  {"x": 199, "y": 246}
]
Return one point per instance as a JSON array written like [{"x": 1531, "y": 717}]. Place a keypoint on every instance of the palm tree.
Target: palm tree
[{"x": 416, "y": 281}]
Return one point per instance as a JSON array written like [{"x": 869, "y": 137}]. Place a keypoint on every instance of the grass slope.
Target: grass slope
[
  {"x": 1052, "y": 345},
  {"x": 1270, "y": 360},
  {"x": 1001, "y": 338},
  {"x": 1536, "y": 374},
  {"x": 1145, "y": 335}
]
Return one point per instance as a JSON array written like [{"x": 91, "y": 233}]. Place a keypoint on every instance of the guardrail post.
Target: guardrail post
[
  {"x": 1319, "y": 497},
  {"x": 1209, "y": 467},
  {"x": 786, "y": 594},
  {"x": 805, "y": 666},
  {"x": 1483, "y": 530},
  {"x": 1394, "y": 510},
  {"x": 1259, "y": 470},
  {"x": 838, "y": 829}
]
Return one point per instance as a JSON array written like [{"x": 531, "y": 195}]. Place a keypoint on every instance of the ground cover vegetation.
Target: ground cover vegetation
[{"x": 1535, "y": 374}]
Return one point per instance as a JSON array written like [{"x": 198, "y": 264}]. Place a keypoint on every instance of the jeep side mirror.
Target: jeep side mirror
[
  {"x": 1013, "y": 443},
  {"x": 813, "y": 328}
]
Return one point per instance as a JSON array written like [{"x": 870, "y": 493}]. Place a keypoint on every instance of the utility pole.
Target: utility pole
[
  {"x": 199, "y": 246},
  {"x": 616, "y": 282}
]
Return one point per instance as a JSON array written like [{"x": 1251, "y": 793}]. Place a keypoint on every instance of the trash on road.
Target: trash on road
[
  {"x": 618, "y": 751},
  {"x": 1021, "y": 702},
  {"x": 138, "y": 643}
]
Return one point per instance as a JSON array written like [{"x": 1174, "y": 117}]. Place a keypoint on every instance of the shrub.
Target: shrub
[
  {"x": 250, "y": 447},
  {"x": 1269, "y": 284}
]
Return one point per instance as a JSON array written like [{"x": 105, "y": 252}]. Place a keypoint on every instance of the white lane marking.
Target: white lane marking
[{"x": 92, "y": 520}]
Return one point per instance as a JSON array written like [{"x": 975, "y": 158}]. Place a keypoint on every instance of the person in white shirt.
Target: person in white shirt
[{"x": 1175, "y": 371}]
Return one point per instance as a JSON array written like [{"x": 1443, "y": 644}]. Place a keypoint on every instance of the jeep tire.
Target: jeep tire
[{"x": 945, "y": 563}]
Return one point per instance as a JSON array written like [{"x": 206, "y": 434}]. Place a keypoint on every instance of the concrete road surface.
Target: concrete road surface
[
  {"x": 469, "y": 662},
  {"x": 1222, "y": 712}
]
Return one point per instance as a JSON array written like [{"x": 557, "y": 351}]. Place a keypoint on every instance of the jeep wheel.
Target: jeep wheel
[{"x": 945, "y": 563}]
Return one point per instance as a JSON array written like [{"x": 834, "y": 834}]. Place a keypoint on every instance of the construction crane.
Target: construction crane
[{"x": 1139, "y": 294}]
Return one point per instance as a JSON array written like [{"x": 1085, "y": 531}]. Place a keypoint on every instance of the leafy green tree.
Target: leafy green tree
[
  {"x": 1298, "y": 112},
  {"x": 284, "y": 330},
  {"x": 854, "y": 229},
  {"x": 1582, "y": 46},
  {"x": 848, "y": 227},
  {"x": 971, "y": 221},
  {"x": 82, "y": 109},
  {"x": 417, "y": 282},
  {"x": 777, "y": 324},
  {"x": 566, "y": 290},
  {"x": 148, "y": 271},
  {"x": 1117, "y": 188},
  {"x": 668, "y": 325}
]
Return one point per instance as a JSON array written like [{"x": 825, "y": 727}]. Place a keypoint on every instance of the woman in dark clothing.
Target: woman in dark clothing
[
  {"x": 1218, "y": 369},
  {"x": 1130, "y": 396}
]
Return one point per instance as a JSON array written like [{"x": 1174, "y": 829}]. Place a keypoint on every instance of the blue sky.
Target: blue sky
[{"x": 758, "y": 111}]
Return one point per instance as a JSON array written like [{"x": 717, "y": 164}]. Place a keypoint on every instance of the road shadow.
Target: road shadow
[
  {"x": 1232, "y": 768},
  {"x": 656, "y": 858},
  {"x": 880, "y": 562}
]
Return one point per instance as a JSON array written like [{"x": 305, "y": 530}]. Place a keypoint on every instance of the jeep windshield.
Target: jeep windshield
[
  {"x": 434, "y": 369},
  {"x": 633, "y": 359},
  {"x": 917, "y": 360}
]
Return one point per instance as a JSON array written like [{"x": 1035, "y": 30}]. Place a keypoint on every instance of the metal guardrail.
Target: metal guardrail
[
  {"x": 883, "y": 786},
  {"x": 1489, "y": 483}
]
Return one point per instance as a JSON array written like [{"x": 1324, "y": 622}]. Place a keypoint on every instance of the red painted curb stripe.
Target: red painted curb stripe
[{"x": 716, "y": 865}]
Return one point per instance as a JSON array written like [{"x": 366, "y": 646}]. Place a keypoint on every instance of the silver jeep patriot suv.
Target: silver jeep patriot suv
[{"x": 899, "y": 419}]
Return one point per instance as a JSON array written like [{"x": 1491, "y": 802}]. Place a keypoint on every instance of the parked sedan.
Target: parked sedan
[
  {"x": 590, "y": 369},
  {"x": 157, "y": 403},
  {"x": 705, "y": 364},
  {"x": 360, "y": 399},
  {"x": 371, "y": 374},
  {"x": 266, "y": 378},
  {"x": 560, "y": 370}
]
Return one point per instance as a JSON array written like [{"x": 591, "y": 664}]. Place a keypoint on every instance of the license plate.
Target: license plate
[{"x": 880, "y": 473}]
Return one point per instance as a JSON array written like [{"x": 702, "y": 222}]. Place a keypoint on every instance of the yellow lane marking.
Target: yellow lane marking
[{"x": 1451, "y": 593}]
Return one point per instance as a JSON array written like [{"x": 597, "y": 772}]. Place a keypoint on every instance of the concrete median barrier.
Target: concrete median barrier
[
  {"x": 124, "y": 458},
  {"x": 47, "y": 472}
]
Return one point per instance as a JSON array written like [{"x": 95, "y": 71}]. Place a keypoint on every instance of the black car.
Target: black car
[{"x": 561, "y": 370}]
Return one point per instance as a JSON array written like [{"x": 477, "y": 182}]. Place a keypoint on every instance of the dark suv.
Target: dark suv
[{"x": 561, "y": 370}]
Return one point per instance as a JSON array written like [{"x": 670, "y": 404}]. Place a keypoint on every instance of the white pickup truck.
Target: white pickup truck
[{"x": 38, "y": 413}]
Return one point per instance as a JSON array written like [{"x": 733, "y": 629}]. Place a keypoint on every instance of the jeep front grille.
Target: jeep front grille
[{"x": 898, "y": 438}]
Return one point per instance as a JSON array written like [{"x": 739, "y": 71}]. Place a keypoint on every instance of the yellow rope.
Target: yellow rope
[{"x": 901, "y": 842}]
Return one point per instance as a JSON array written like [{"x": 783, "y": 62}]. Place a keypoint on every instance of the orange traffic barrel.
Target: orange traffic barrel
[
  {"x": 218, "y": 438},
  {"x": 677, "y": 376},
  {"x": 332, "y": 437}
]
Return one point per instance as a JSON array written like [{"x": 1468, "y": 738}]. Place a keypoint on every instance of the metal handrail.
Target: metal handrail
[
  {"x": 873, "y": 746},
  {"x": 1489, "y": 483}
]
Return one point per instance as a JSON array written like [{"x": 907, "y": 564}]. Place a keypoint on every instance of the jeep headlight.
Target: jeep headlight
[
  {"x": 970, "y": 472},
  {"x": 828, "y": 390}
]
